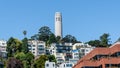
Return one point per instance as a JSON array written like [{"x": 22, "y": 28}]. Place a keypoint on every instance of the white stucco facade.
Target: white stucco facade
[
  {"x": 36, "y": 47},
  {"x": 3, "y": 45},
  {"x": 50, "y": 64}
]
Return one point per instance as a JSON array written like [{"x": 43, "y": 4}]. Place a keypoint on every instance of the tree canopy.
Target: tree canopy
[
  {"x": 24, "y": 32},
  {"x": 25, "y": 45},
  {"x": 105, "y": 40},
  {"x": 96, "y": 43},
  {"x": 40, "y": 62},
  {"x": 69, "y": 39},
  {"x": 102, "y": 42},
  {"x": 13, "y": 45},
  {"x": 44, "y": 33}
]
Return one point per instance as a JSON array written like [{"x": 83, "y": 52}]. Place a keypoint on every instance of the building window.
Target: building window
[
  {"x": 33, "y": 45},
  {"x": 33, "y": 48},
  {"x": 3, "y": 43},
  {"x": 58, "y": 19},
  {"x": 29, "y": 48},
  {"x": 70, "y": 65},
  {"x": 40, "y": 45},
  {"x": 82, "y": 50},
  {"x": 64, "y": 65},
  {"x": 33, "y": 52},
  {"x": 53, "y": 65},
  {"x": 87, "y": 50},
  {"x": 47, "y": 65},
  {"x": 67, "y": 65}
]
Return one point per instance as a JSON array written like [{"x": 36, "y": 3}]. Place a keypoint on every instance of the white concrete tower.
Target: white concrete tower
[{"x": 58, "y": 24}]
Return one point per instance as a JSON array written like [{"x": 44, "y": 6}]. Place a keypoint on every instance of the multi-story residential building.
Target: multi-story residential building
[
  {"x": 61, "y": 51},
  {"x": 3, "y": 45},
  {"x": 36, "y": 47},
  {"x": 50, "y": 64},
  {"x": 60, "y": 57},
  {"x": 75, "y": 54},
  {"x": 66, "y": 65},
  {"x": 83, "y": 49},
  {"x": 63, "y": 48},
  {"x": 108, "y": 57},
  {"x": 51, "y": 50}
]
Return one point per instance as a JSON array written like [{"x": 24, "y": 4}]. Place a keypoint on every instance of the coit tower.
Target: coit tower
[{"x": 58, "y": 24}]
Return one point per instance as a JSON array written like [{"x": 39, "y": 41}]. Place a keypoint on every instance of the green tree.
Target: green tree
[
  {"x": 13, "y": 46},
  {"x": 27, "y": 59},
  {"x": 40, "y": 62},
  {"x": 51, "y": 58},
  {"x": 24, "y": 33},
  {"x": 21, "y": 56},
  {"x": 35, "y": 37},
  {"x": 25, "y": 45},
  {"x": 30, "y": 59},
  {"x": 105, "y": 40},
  {"x": 69, "y": 39},
  {"x": 58, "y": 39},
  {"x": 52, "y": 39},
  {"x": 44, "y": 33},
  {"x": 96, "y": 43}
]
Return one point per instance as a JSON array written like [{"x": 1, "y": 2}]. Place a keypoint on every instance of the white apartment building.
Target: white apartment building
[
  {"x": 60, "y": 57},
  {"x": 50, "y": 64},
  {"x": 82, "y": 48},
  {"x": 52, "y": 49},
  {"x": 3, "y": 45},
  {"x": 66, "y": 65},
  {"x": 75, "y": 54},
  {"x": 36, "y": 47}
]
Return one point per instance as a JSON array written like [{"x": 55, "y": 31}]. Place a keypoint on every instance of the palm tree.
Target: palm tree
[{"x": 24, "y": 33}]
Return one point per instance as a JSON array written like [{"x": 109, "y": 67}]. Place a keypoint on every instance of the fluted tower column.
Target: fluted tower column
[{"x": 58, "y": 24}]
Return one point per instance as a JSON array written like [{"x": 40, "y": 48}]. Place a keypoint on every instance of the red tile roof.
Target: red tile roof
[{"x": 86, "y": 60}]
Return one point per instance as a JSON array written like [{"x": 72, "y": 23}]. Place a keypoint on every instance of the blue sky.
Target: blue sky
[{"x": 84, "y": 19}]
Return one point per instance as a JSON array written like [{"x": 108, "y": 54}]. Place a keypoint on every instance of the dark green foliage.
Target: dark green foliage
[
  {"x": 19, "y": 50},
  {"x": 105, "y": 40},
  {"x": 45, "y": 30},
  {"x": 96, "y": 43},
  {"x": 35, "y": 37},
  {"x": 20, "y": 56},
  {"x": 52, "y": 39},
  {"x": 27, "y": 59},
  {"x": 40, "y": 62},
  {"x": 24, "y": 32},
  {"x": 58, "y": 39},
  {"x": 13, "y": 46},
  {"x": 52, "y": 58},
  {"x": 25, "y": 45},
  {"x": 69, "y": 39},
  {"x": 44, "y": 33}
]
